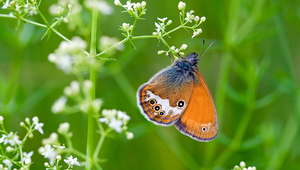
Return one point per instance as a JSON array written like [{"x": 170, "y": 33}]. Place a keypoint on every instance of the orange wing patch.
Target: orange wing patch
[{"x": 200, "y": 119}]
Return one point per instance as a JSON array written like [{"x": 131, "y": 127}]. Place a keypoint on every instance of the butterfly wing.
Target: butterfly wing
[
  {"x": 163, "y": 99},
  {"x": 200, "y": 119}
]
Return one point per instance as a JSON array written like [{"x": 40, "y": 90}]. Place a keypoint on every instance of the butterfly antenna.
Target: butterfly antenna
[
  {"x": 206, "y": 50},
  {"x": 202, "y": 47},
  {"x": 180, "y": 55},
  {"x": 172, "y": 61}
]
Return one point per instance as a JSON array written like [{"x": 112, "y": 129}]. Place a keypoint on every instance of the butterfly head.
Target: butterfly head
[{"x": 192, "y": 58}]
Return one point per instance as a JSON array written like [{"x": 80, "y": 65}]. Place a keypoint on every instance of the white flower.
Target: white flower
[
  {"x": 2, "y": 138},
  {"x": 188, "y": 17},
  {"x": 143, "y": 4},
  {"x": 173, "y": 48},
  {"x": 10, "y": 149},
  {"x": 97, "y": 104},
  {"x": 129, "y": 135},
  {"x": 203, "y": 19},
  {"x": 181, "y": 6},
  {"x": 197, "y": 32},
  {"x": 183, "y": 47},
  {"x": 242, "y": 164},
  {"x": 65, "y": 63},
  {"x": 58, "y": 157},
  {"x": 123, "y": 116},
  {"x": 53, "y": 139},
  {"x": 71, "y": 161},
  {"x": 104, "y": 7},
  {"x": 162, "y": 19},
  {"x": 78, "y": 43},
  {"x": 59, "y": 147},
  {"x": 117, "y": 2},
  {"x": 85, "y": 106},
  {"x": 48, "y": 152},
  {"x": 160, "y": 52},
  {"x": 27, "y": 161},
  {"x": 59, "y": 105},
  {"x": 109, "y": 113},
  {"x": 7, "y": 163},
  {"x": 169, "y": 22},
  {"x": 87, "y": 85},
  {"x": 63, "y": 128},
  {"x": 11, "y": 138},
  {"x": 27, "y": 156},
  {"x": 5, "y": 5},
  {"x": 137, "y": 6},
  {"x": 115, "y": 124},
  {"x": 73, "y": 89},
  {"x": 128, "y": 6},
  {"x": 196, "y": 18},
  {"x": 126, "y": 26},
  {"x": 53, "y": 9},
  {"x": 104, "y": 119},
  {"x": 38, "y": 126}
]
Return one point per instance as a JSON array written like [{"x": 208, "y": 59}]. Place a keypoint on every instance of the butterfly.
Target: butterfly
[{"x": 178, "y": 95}]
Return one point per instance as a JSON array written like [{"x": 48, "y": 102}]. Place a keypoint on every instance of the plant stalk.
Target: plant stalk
[{"x": 93, "y": 75}]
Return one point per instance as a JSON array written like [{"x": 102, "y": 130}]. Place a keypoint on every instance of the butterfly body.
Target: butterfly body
[{"x": 179, "y": 96}]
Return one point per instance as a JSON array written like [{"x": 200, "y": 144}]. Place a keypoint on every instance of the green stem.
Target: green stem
[
  {"x": 42, "y": 16},
  {"x": 93, "y": 75},
  {"x": 114, "y": 46},
  {"x": 98, "y": 147}
]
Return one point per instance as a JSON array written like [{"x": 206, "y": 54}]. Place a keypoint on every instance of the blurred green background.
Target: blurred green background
[{"x": 252, "y": 71}]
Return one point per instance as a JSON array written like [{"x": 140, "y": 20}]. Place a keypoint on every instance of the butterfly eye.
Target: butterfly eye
[
  {"x": 170, "y": 112},
  {"x": 204, "y": 129},
  {"x": 152, "y": 102},
  {"x": 180, "y": 104},
  {"x": 157, "y": 108}
]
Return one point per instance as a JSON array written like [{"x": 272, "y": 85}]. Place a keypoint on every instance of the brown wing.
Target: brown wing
[
  {"x": 164, "y": 98},
  {"x": 200, "y": 119}
]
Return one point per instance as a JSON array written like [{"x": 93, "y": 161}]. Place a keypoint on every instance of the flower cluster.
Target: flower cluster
[
  {"x": 20, "y": 7},
  {"x": 80, "y": 93},
  {"x": 52, "y": 148},
  {"x": 174, "y": 50},
  {"x": 14, "y": 145},
  {"x": 189, "y": 17},
  {"x": 49, "y": 152},
  {"x": 243, "y": 167},
  {"x": 161, "y": 26},
  {"x": 133, "y": 9},
  {"x": 69, "y": 56},
  {"x": 116, "y": 120},
  {"x": 185, "y": 18}
]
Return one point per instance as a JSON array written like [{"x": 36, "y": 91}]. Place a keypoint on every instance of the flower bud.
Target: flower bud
[
  {"x": 181, "y": 6},
  {"x": 63, "y": 128},
  {"x": 160, "y": 52},
  {"x": 169, "y": 22},
  {"x": 129, "y": 135},
  {"x": 183, "y": 47},
  {"x": 58, "y": 157}
]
